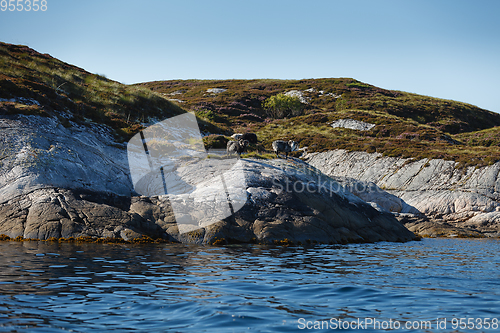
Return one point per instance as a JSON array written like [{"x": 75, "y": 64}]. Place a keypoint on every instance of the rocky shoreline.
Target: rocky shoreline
[
  {"x": 276, "y": 212},
  {"x": 432, "y": 198},
  {"x": 73, "y": 181}
]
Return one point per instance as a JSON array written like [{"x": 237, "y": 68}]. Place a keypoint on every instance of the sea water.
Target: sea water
[{"x": 435, "y": 285}]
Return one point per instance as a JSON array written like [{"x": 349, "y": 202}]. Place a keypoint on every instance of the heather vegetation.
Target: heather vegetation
[{"x": 407, "y": 125}]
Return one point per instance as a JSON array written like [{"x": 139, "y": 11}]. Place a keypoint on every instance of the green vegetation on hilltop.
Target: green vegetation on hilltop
[
  {"x": 46, "y": 85},
  {"x": 247, "y": 95},
  {"x": 406, "y": 124}
]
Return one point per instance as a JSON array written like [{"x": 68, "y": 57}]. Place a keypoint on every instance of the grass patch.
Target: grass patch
[{"x": 260, "y": 156}]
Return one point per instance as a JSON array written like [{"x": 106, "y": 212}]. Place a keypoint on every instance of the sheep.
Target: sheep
[
  {"x": 251, "y": 137},
  {"x": 236, "y": 146},
  {"x": 285, "y": 147},
  {"x": 237, "y": 136}
]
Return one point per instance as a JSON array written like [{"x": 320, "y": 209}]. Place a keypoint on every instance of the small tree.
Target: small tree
[{"x": 281, "y": 106}]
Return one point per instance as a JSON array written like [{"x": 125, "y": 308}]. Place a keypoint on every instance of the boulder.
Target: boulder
[
  {"x": 283, "y": 203},
  {"x": 353, "y": 124}
]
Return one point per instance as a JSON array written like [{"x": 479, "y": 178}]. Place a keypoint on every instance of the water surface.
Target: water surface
[{"x": 47, "y": 287}]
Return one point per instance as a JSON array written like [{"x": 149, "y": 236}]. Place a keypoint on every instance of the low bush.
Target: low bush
[{"x": 282, "y": 106}]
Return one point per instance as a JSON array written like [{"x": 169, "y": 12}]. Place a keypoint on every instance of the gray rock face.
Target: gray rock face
[
  {"x": 299, "y": 94},
  {"x": 216, "y": 90},
  {"x": 434, "y": 187},
  {"x": 70, "y": 182},
  {"x": 375, "y": 196},
  {"x": 38, "y": 152},
  {"x": 277, "y": 209},
  {"x": 353, "y": 124}
]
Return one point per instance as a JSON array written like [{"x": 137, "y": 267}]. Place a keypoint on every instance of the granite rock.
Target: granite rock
[
  {"x": 436, "y": 188},
  {"x": 72, "y": 181}
]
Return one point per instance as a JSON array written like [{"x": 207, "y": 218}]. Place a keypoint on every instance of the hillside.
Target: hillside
[
  {"x": 407, "y": 125},
  {"x": 64, "y": 171},
  {"x": 38, "y": 84}
]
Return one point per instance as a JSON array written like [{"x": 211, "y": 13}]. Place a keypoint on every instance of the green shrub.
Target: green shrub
[{"x": 281, "y": 106}]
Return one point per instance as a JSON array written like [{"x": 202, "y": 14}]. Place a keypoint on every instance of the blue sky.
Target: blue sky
[{"x": 448, "y": 49}]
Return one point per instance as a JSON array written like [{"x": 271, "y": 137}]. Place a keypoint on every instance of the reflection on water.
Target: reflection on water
[{"x": 96, "y": 287}]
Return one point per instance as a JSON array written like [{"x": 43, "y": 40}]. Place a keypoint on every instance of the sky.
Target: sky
[{"x": 442, "y": 48}]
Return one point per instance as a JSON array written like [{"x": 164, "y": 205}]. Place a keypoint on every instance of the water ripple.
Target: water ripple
[{"x": 95, "y": 287}]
